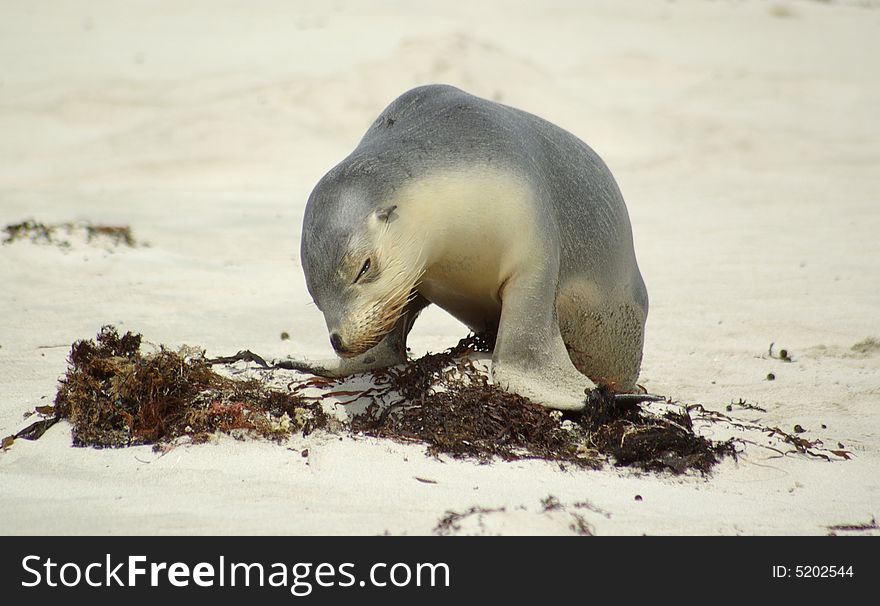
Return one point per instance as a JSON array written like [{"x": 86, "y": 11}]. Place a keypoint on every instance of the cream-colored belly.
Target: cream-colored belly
[
  {"x": 468, "y": 291},
  {"x": 478, "y": 231}
]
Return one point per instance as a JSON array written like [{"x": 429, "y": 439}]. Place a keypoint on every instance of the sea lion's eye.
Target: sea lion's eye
[{"x": 363, "y": 270}]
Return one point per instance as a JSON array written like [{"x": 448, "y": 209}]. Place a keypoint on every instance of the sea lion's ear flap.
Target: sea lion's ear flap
[{"x": 386, "y": 213}]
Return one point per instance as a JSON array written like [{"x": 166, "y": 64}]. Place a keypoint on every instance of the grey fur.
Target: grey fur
[{"x": 581, "y": 218}]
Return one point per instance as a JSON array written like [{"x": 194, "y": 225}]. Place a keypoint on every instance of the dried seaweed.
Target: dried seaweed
[
  {"x": 447, "y": 402},
  {"x": 37, "y": 232},
  {"x": 862, "y": 527},
  {"x": 450, "y": 523},
  {"x": 35, "y": 430},
  {"x": 655, "y": 443},
  {"x": 479, "y": 422},
  {"x": 114, "y": 395}
]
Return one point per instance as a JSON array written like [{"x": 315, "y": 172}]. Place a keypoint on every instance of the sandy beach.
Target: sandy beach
[{"x": 744, "y": 137}]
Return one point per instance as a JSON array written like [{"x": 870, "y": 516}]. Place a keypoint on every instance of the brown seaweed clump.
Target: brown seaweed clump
[
  {"x": 38, "y": 232},
  {"x": 446, "y": 402},
  {"x": 656, "y": 443},
  {"x": 113, "y": 395},
  {"x": 482, "y": 422}
]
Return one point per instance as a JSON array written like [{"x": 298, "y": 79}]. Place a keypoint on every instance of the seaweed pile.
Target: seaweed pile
[
  {"x": 114, "y": 395},
  {"x": 59, "y": 234},
  {"x": 446, "y": 402}
]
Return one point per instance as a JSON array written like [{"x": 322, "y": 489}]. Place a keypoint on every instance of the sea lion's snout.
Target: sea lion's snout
[
  {"x": 344, "y": 347},
  {"x": 361, "y": 329}
]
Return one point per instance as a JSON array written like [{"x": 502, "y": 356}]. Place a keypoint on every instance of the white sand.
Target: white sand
[{"x": 744, "y": 136}]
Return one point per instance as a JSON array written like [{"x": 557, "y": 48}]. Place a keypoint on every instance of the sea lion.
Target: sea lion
[{"x": 506, "y": 221}]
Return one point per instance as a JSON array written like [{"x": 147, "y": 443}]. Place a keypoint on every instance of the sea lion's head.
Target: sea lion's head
[{"x": 361, "y": 263}]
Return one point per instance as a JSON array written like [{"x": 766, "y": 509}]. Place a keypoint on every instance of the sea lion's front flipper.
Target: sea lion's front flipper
[
  {"x": 383, "y": 355},
  {"x": 530, "y": 358}
]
